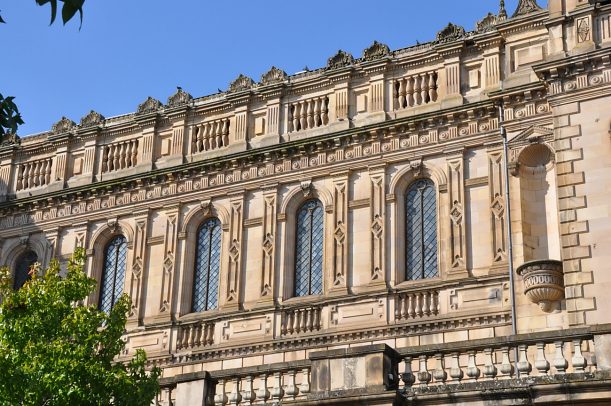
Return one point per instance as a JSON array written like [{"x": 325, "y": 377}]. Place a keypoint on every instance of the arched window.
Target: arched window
[
  {"x": 421, "y": 231},
  {"x": 207, "y": 266},
  {"x": 113, "y": 274},
  {"x": 309, "y": 249},
  {"x": 23, "y": 266}
]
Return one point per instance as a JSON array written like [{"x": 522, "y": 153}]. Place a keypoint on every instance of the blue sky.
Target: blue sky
[{"x": 130, "y": 49}]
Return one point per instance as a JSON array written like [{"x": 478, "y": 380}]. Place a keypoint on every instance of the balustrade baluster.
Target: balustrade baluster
[
  {"x": 317, "y": 103},
  {"x": 506, "y": 366},
  {"x": 26, "y": 176},
  {"x": 440, "y": 373},
  {"x": 303, "y": 124},
  {"x": 291, "y": 389},
  {"x": 135, "y": 152},
  {"x": 295, "y": 118},
  {"x": 560, "y": 362},
  {"x": 235, "y": 397},
  {"x": 408, "y": 376},
  {"x": 411, "y": 100},
  {"x": 310, "y": 114},
  {"x": 123, "y": 155},
  {"x": 277, "y": 391},
  {"x": 579, "y": 361},
  {"x": 473, "y": 371},
  {"x": 417, "y": 91},
  {"x": 401, "y": 94},
  {"x": 218, "y": 139},
  {"x": 419, "y": 305},
  {"x": 433, "y": 87},
  {"x": 456, "y": 371},
  {"x": 305, "y": 381},
  {"x": 424, "y": 88},
  {"x": 116, "y": 163},
  {"x": 128, "y": 154},
  {"x": 325, "y": 111},
  {"x": 541, "y": 362},
  {"x": 262, "y": 392},
  {"x": 225, "y": 132},
  {"x": 489, "y": 368},
  {"x": 220, "y": 398},
  {"x": 411, "y": 309},
  {"x": 248, "y": 395},
  {"x": 424, "y": 376},
  {"x": 524, "y": 366}
]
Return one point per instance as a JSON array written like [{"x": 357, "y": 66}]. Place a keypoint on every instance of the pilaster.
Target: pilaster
[
  {"x": 341, "y": 230},
  {"x": 138, "y": 265},
  {"x": 235, "y": 254},
  {"x": 498, "y": 222},
  {"x": 170, "y": 243},
  {"x": 268, "y": 262},
  {"x": 456, "y": 188},
  {"x": 377, "y": 213}
]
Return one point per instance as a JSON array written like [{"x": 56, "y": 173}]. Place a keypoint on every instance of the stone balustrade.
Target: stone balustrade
[
  {"x": 308, "y": 114},
  {"x": 516, "y": 357},
  {"x": 34, "y": 174},
  {"x": 415, "y": 90},
  {"x": 301, "y": 320},
  {"x": 211, "y": 135},
  {"x": 120, "y": 155},
  {"x": 266, "y": 385},
  {"x": 195, "y": 335},
  {"x": 416, "y": 305}
]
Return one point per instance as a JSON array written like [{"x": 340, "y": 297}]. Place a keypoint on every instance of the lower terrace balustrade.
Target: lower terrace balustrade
[
  {"x": 120, "y": 155},
  {"x": 308, "y": 114},
  {"x": 415, "y": 90},
  {"x": 34, "y": 174}
]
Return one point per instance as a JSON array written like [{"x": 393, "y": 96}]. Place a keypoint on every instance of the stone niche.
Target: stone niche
[{"x": 353, "y": 371}]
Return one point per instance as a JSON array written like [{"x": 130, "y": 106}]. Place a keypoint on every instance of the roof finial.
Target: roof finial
[{"x": 502, "y": 11}]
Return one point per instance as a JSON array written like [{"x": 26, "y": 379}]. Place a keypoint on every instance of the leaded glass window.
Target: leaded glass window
[
  {"x": 22, "y": 269},
  {"x": 113, "y": 274},
  {"x": 421, "y": 230},
  {"x": 207, "y": 266},
  {"x": 309, "y": 249}
]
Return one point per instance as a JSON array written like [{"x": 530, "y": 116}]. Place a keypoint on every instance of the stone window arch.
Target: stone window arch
[
  {"x": 23, "y": 267},
  {"x": 113, "y": 274},
  {"x": 421, "y": 230},
  {"x": 207, "y": 269},
  {"x": 309, "y": 249}
]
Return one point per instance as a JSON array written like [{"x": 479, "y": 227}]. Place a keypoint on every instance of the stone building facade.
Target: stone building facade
[{"x": 340, "y": 235}]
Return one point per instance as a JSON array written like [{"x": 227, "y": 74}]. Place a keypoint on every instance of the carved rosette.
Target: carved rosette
[
  {"x": 543, "y": 282},
  {"x": 150, "y": 105},
  {"x": 92, "y": 119},
  {"x": 451, "y": 32},
  {"x": 526, "y": 7},
  {"x": 241, "y": 84},
  {"x": 340, "y": 59},
  {"x": 376, "y": 50},
  {"x": 274, "y": 75},
  {"x": 179, "y": 98},
  {"x": 63, "y": 126}
]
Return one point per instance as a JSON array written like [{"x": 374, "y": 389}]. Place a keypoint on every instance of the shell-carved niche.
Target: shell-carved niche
[
  {"x": 92, "y": 119},
  {"x": 377, "y": 50},
  {"x": 274, "y": 75},
  {"x": 179, "y": 98},
  {"x": 63, "y": 126},
  {"x": 543, "y": 282},
  {"x": 340, "y": 59},
  {"x": 150, "y": 105},
  {"x": 451, "y": 32},
  {"x": 241, "y": 83}
]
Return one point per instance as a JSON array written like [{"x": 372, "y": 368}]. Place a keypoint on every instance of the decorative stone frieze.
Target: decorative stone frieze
[{"x": 543, "y": 282}]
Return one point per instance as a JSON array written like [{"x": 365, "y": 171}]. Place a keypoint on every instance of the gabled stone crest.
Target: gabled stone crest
[
  {"x": 241, "y": 83},
  {"x": 63, "y": 126},
  {"x": 150, "y": 105},
  {"x": 92, "y": 119},
  {"x": 487, "y": 23},
  {"x": 274, "y": 75},
  {"x": 180, "y": 97},
  {"x": 340, "y": 59},
  {"x": 526, "y": 7},
  {"x": 376, "y": 50},
  {"x": 451, "y": 32}
]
